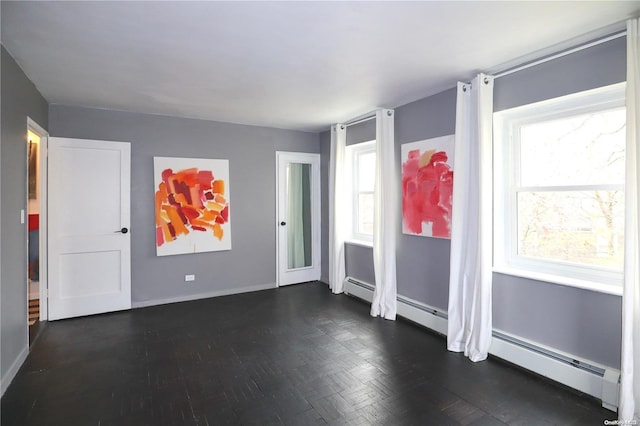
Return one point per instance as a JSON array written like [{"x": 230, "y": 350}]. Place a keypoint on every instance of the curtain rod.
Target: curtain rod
[
  {"x": 561, "y": 54},
  {"x": 360, "y": 120}
]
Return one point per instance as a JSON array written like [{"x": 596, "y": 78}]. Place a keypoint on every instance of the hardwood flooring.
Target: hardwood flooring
[
  {"x": 297, "y": 355},
  {"x": 34, "y": 311}
]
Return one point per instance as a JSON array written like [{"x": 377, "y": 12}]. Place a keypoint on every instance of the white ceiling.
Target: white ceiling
[{"x": 294, "y": 65}]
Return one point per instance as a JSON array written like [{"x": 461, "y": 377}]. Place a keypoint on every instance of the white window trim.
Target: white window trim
[
  {"x": 506, "y": 260},
  {"x": 352, "y": 152}
]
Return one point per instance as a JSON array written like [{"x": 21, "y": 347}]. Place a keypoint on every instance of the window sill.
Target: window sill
[
  {"x": 360, "y": 243},
  {"x": 612, "y": 289}
]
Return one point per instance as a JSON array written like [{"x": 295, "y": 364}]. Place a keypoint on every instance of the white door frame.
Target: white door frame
[
  {"x": 42, "y": 233},
  {"x": 285, "y": 276}
]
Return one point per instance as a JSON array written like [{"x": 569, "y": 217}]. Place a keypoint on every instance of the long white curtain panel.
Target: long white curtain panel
[
  {"x": 337, "y": 208},
  {"x": 629, "y": 408},
  {"x": 470, "y": 323},
  {"x": 385, "y": 218}
]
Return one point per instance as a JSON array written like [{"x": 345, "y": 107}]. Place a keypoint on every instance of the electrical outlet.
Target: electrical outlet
[{"x": 189, "y": 277}]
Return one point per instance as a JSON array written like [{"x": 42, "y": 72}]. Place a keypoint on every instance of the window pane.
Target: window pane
[
  {"x": 366, "y": 171},
  {"x": 365, "y": 213},
  {"x": 577, "y": 150},
  {"x": 580, "y": 227}
]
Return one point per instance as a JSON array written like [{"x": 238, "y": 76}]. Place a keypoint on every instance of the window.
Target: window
[
  {"x": 559, "y": 189},
  {"x": 361, "y": 166}
]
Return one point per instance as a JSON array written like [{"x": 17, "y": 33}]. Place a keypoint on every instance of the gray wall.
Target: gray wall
[
  {"x": 422, "y": 263},
  {"x": 361, "y": 132},
  {"x": 20, "y": 99},
  {"x": 580, "y": 322},
  {"x": 594, "y": 67},
  {"x": 251, "y": 153}
]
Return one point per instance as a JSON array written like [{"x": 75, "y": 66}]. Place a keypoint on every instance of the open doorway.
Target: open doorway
[{"x": 36, "y": 226}]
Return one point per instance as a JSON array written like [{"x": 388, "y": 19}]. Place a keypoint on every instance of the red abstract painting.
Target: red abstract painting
[
  {"x": 427, "y": 187},
  {"x": 192, "y": 208}
]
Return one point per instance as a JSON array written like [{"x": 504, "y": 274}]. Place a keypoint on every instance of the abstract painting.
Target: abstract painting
[
  {"x": 427, "y": 187},
  {"x": 32, "y": 169},
  {"x": 192, "y": 205}
]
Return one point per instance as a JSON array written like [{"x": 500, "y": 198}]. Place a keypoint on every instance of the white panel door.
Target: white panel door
[
  {"x": 298, "y": 213},
  {"x": 89, "y": 214}
]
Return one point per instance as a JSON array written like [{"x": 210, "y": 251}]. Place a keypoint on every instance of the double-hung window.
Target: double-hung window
[
  {"x": 559, "y": 189},
  {"x": 361, "y": 164}
]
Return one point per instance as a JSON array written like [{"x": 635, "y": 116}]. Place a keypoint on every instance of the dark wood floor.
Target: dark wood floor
[{"x": 296, "y": 356}]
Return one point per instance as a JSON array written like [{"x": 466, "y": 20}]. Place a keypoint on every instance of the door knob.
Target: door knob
[
  {"x": 123, "y": 231},
  {"x": 283, "y": 223}
]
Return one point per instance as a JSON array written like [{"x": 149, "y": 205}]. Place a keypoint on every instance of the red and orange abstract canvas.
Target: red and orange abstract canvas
[
  {"x": 427, "y": 187},
  {"x": 192, "y": 205}
]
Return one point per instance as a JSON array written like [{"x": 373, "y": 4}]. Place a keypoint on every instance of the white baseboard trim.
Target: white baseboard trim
[
  {"x": 206, "y": 295},
  {"x": 589, "y": 377},
  {"x": 13, "y": 370}
]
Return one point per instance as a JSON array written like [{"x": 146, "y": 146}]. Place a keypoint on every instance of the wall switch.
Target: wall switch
[
  {"x": 189, "y": 277},
  {"x": 22, "y": 216}
]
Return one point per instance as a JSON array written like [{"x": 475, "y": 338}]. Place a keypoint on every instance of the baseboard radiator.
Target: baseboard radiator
[{"x": 591, "y": 378}]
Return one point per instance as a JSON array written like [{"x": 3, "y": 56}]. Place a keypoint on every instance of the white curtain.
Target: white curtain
[
  {"x": 385, "y": 218},
  {"x": 295, "y": 221},
  {"x": 469, "y": 323},
  {"x": 337, "y": 208},
  {"x": 629, "y": 408}
]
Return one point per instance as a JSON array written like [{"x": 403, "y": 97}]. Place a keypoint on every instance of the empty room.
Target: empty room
[{"x": 320, "y": 213}]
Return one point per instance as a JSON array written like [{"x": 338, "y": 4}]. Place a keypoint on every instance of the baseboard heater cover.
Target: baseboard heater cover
[
  {"x": 599, "y": 381},
  {"x": 583, "y": 365},
  {"x": 591, "y": 378}
]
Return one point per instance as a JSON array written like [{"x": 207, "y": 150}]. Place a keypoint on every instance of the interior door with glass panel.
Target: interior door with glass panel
[{"x": 298, "y": 215}]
